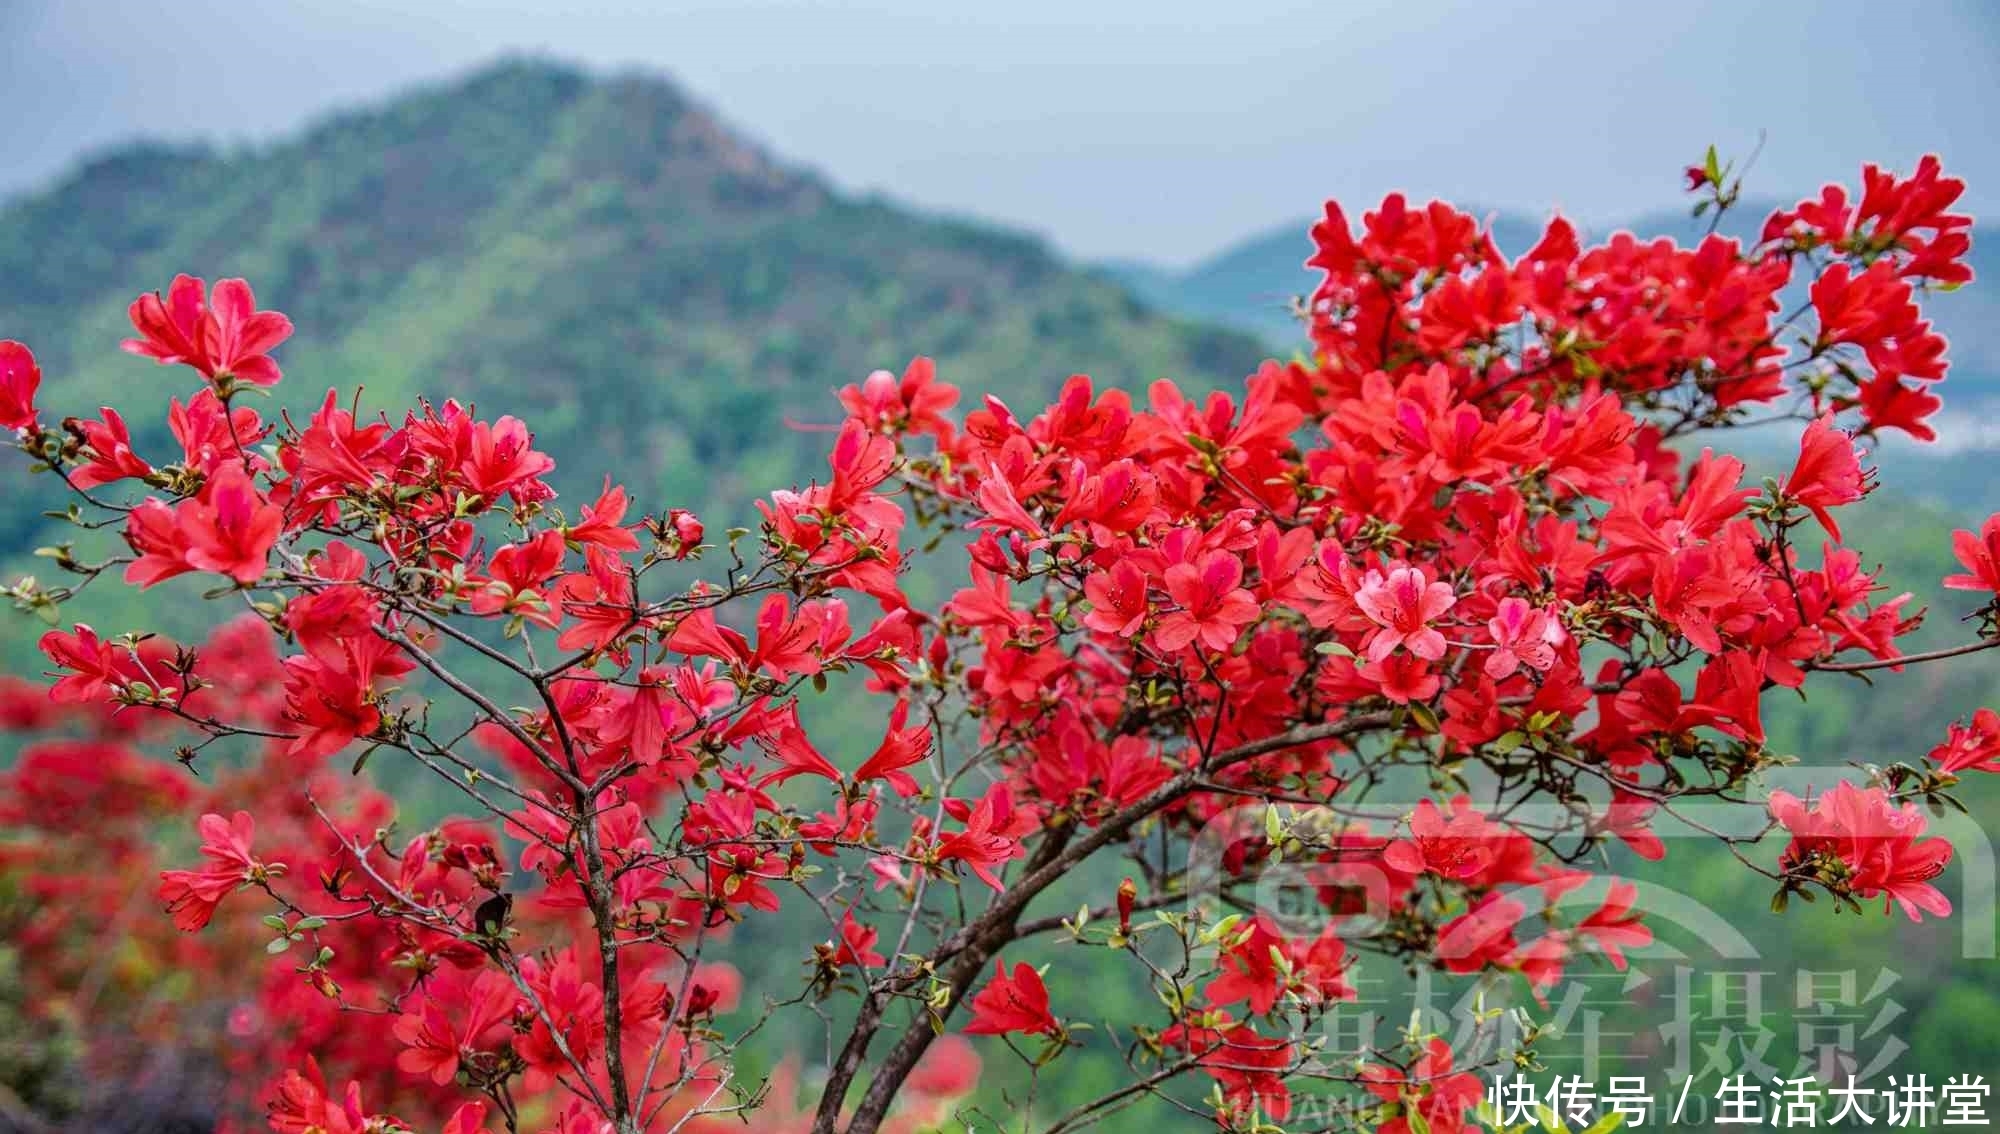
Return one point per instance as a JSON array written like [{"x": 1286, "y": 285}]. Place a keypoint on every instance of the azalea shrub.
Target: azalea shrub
[{"x": 1469, "y": 544}]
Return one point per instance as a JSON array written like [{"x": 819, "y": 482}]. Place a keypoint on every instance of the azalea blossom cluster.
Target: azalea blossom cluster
[{"x": 1467, "y": 540}]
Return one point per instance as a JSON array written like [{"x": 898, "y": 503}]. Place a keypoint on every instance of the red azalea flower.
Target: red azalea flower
[
  {"x": 230, "y": 528},
  {"x": 948, "y": 1070},
  {"x": 1613, "y": 927},
  {"x": 598, "y": 602},
  {"x": 1402, "y": 678},
  {"x": 1430, "y": 1087},
  {"x": 238, "y": 338},
  {"x": 1522, "y": 636},
  {"x": 193, "y": 895},
  {"x": 1887, "y": 403},
  {"x": 211, "y": 438},
  {"x": 1875, "y": 843},
  {"x": 686, "y": 529},
  {"x": 108, "y": 452},
  {"x": 1460, "y": 847},
  {"x": 19, "y": 378},
  {"x": 452, "y": 1023},
  {"x": 785, "y": 741},
  {"x": 99, "y": 667},
  {"x": 1117, "y": 600},
  {"x": 1481, "y": 937},
  {"x": 1971, "y": 746},
  {"x": 501, "y": 458},
  {"x": 303, "y": 1105},
  {"x": 1402, "y": 604},
  {"x": 857, "y": 944},
  {"x": 329, "y": 705},
  {"x": 602, "y": 522},
  {"x": 901, "y": 747},
  {"x": 991, "y": 836},
  {"x": 1018, "y": 1003},
  {"x": 1213, "y": 608},
  {"x": 1827, "y": 473},
  {"x": 1249, "y": 1068},
  {"x": 231, "y": 338},
  {"x": 467, "y": 1119},
  {"x": 914, "y": 404},
  {"x": 154, "y": 531},
  {"x": 1981, "y": 555}
]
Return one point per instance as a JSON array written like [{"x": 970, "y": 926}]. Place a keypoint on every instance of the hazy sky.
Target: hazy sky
[{"x": 1161, "y": 130}]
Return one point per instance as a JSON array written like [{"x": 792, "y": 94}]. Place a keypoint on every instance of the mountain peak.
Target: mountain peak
[{"x": 516, "y": 68}]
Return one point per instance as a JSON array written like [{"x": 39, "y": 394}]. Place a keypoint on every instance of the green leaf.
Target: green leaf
[
  {"x": 1427, "y": 718},
  {"x": 278, "y": 946},
  {"x": 1221, "y": 929},
  {"x": 1606, "y": 1124}
]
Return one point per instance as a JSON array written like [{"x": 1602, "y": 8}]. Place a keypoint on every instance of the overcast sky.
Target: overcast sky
[{"x": 1159, "y": 130}]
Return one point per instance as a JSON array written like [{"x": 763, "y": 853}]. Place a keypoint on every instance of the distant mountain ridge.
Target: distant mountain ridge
[{"x": 602, "y": 256}]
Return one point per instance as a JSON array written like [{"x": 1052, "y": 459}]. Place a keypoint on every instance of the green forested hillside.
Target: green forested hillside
[{"x": 601, "y": 257}]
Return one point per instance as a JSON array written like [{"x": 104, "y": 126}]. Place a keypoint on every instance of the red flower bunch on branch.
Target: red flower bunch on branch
[{"x": 1189, "y": 632}]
